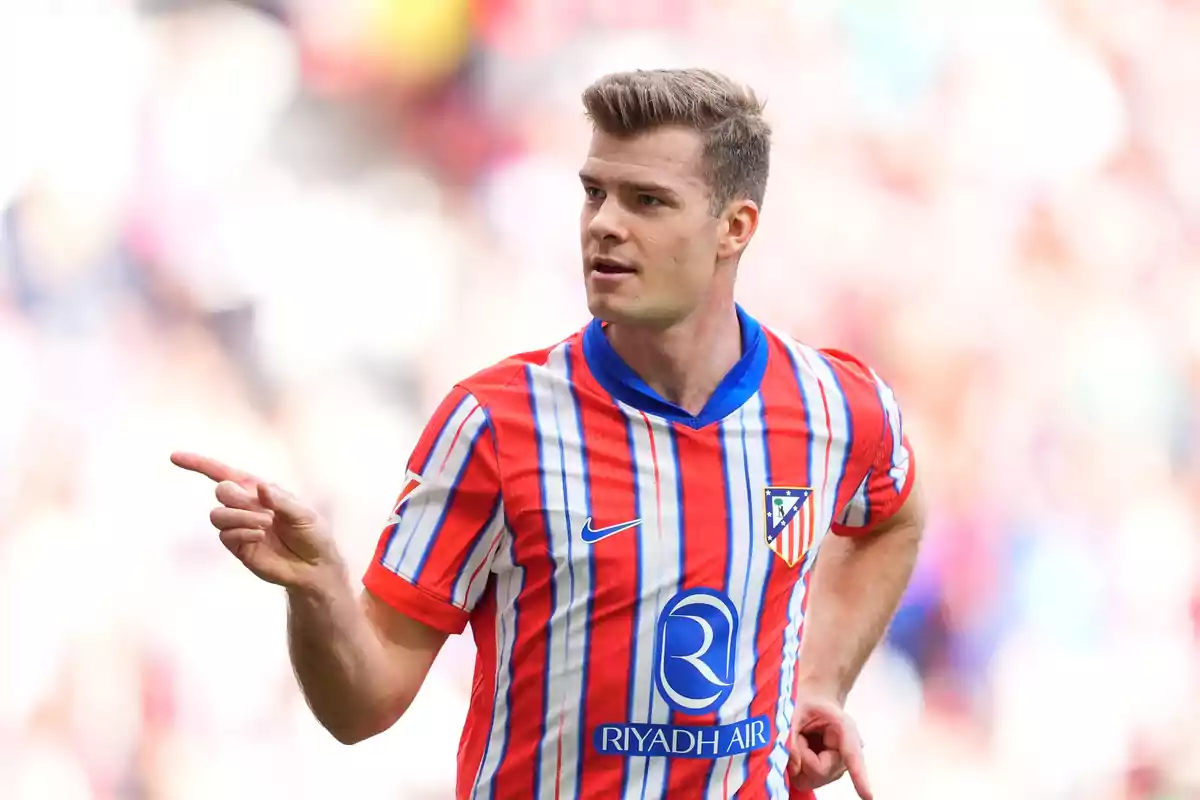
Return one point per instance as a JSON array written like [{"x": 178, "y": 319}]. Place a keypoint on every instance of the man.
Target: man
[{"x": 629, "y": 520}]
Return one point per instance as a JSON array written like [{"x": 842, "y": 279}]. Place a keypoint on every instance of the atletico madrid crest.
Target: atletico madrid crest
[{"x": 790, "y": 523}]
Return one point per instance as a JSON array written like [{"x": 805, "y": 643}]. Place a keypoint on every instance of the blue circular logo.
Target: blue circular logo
[{"x": 695, "y": 655}]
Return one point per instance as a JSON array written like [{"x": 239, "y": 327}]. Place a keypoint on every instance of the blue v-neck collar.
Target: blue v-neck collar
[{"x": 738, "y": 386}]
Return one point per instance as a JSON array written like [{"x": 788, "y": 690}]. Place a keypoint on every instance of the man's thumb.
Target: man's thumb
[{"x": 283, "y": 504}]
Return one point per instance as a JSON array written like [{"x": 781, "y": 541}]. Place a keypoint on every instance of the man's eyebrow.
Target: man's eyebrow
[
  {"x": 638, "y": 186},
  {"x": 651, "y": 188}
]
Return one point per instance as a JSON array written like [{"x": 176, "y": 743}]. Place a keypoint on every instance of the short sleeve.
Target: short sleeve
[
  {"x": 434, "y": 557},
  {"x": 890, "y": 472}
]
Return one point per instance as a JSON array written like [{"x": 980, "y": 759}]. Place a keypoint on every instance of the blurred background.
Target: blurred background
[{"x": 277, "y": 232}]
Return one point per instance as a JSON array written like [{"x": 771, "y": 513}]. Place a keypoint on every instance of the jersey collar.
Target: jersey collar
[{"x": 738, "y": 386}]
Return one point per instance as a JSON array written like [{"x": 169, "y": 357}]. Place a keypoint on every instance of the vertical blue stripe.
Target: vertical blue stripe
[
  {"x": 866, "y": 497},
  {"x": 837, "y": 489},
  {"x": 805, "y": 402},
  {"x": 749, "y": 509},
  {"x": 541, "y": 468},
  {"x": 421, "y": 471},
  {"x": 898, "y": 444},
  {"x": 882, "y": 390},
  {"x": 584, "y": 453},
  {"x": 679, "y": 505},
  {"x": 785, "y": 692},
  {"x": 492, "y": 725},
  {"x": 723, "y": 452},
  {"x": 516, "y": 627},
  {"x": 635, "y": 468},
  {"x": 492, "y": 518},
  {"x": 770, "y": 480},
  {"x": 447, "y": 506},
  {"x": 658, "y": 592},
  {"x": 755, "y": 539}
]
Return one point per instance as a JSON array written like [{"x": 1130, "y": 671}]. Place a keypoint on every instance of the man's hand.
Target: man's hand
[
  {"x": 277, "y": 537},
  {"x": 824, "y": 745}
]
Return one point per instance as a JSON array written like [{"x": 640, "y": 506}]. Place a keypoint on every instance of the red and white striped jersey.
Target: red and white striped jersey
[{"x": 635, "y": 577}]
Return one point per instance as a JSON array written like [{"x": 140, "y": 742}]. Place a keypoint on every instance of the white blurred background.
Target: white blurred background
[{"x": 277, "y": 232}]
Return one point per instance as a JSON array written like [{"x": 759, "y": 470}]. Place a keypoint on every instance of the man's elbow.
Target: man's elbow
[
  {"x": 347, "y": 735},
  {"x": 353, "y": 731},
  {"x": 353, "y": 734}
]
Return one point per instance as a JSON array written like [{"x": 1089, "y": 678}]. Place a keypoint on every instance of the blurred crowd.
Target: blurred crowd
[{"x": 277, "y": 232}]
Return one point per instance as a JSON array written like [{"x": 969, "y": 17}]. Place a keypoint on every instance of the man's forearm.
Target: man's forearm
[
  {"x": 856, "y": 586},
  {"x": 340, "y": 663}
]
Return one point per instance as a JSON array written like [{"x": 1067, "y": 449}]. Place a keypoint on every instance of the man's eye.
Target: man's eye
[
  {"x": 593, "y": 192},
  {"x": 649, "y": 200}
]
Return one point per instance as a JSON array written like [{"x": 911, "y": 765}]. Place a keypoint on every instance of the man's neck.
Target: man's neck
[{"x": 686, "y": 362}]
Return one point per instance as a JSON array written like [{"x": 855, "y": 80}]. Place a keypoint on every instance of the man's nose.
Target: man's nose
[{"x": 608, "y": 222}]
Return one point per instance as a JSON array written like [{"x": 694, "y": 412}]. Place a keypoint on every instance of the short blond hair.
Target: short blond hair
[{"x": 737, "y": 139}]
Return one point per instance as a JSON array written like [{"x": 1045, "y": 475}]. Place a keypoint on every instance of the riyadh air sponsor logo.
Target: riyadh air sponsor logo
[
  {"x": 695, "y": 651},
  {"x": 683, "y": 741},
  {"x": 694, "y": 660}
]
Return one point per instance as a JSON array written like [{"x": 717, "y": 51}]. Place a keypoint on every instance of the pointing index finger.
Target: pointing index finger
[
  {"x": 211, "y": 468},
  {"x": 853, "y": 758}
]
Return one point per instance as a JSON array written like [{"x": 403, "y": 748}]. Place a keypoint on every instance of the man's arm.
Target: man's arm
[
  {"x": 857, "y": 584},
  {"x": 362, "y": 659},
  {"x": 359, "y": 662}
]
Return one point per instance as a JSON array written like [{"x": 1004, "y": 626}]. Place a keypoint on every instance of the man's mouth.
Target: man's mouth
[{"x": 610, "y": 266}]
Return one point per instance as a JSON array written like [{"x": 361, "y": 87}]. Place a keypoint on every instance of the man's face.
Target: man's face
[{"x": 649, "y": 239}]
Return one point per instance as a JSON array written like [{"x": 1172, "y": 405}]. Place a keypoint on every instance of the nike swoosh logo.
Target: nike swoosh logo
[{"x": 592, "y": 535}]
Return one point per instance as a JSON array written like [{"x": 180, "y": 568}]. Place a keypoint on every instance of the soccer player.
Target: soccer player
[{"x": 634, "y": 522}]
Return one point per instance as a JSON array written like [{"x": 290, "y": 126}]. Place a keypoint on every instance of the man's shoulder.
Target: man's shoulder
[
  {"x": 510, "y": 374},
  {"x": 845, "y": 373},
  {"x": 849, "y": 367}
]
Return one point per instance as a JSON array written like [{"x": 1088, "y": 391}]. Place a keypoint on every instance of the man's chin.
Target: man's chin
[
  {"x": 611, "y": 309},
  {"x": 626, "y": 312}
]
